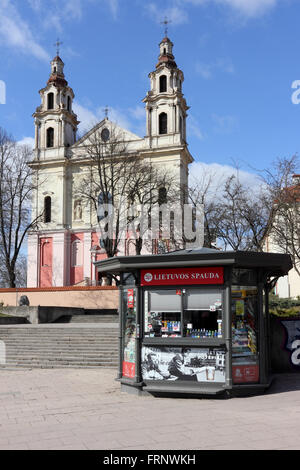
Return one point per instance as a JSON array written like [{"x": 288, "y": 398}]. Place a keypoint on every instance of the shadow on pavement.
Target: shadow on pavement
[{"x": 285, "y": 382}]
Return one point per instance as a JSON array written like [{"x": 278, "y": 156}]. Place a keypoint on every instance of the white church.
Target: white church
[{"x": 63, "y": 249}]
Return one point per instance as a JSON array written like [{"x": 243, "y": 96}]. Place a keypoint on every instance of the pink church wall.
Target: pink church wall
[
  {"x": 77, "y": 258},
  {"x": 46, "y": 256}
]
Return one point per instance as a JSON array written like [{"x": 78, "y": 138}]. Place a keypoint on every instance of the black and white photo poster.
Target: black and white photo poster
[{"x": 190, "y": 364}]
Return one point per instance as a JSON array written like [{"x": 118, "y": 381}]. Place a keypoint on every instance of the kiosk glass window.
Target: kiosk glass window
[
  {"x": 162, "y": 313},
  {"x": 202, "y": 316},
  {"x": 195, "y": 313},
  {"x": 129, "y": 322},
  {"x": 244, "y": 309}
]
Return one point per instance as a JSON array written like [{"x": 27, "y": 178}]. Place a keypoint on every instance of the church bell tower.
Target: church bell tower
[
  {"x": 55, "y": 122},
  {"x": 166, "y": 107}
]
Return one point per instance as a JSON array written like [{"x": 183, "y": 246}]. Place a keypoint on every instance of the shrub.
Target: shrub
[{"x": 280, "y": 307}]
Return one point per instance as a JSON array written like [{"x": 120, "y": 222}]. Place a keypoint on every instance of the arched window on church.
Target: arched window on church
[
  {"x": 47, "y": 209},
  {"x": 50, "y": 101},
  {"x": 50, "y": 137},
  {"x": 162, "y": 195},
  {"x": 162, "y": 83},
  {"x": 76, "y": 253},
  {"x": 163, "y": 123},
  {"x": 69, "y": 104}
]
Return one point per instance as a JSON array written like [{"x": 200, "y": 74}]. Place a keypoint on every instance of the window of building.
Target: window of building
[
  {"x": 162, "y": 196},
  {"x": 163, "y": 123},
  {"x": 50, "y": 137},
  {"x": 69, "y": 103},
  {"x": 47, "y": 209},
  {"x": 50, "y": 101},
  {"x": 162, "y": 83}
]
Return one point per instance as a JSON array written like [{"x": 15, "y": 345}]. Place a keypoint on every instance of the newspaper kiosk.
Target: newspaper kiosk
[{"x": 195, "y": 322}]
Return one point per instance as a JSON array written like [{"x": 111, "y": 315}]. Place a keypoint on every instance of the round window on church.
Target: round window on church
[{"x": 105, "y": 134}]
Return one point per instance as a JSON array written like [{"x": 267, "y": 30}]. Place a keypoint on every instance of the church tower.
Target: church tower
[
  {"x": 55, "y": 122},
  {"x": 55, "y": 134},
  {"x": 166, "y": 107}
]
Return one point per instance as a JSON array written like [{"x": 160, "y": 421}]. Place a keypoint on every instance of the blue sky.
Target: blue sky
[{"x": 239, "y": 58}]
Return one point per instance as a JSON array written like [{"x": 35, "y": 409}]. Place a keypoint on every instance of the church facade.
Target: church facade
[{"x": 63, "y": 248}]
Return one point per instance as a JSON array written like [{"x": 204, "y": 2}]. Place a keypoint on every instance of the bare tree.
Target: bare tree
[
  {"x": 118, "y": 178},
  {"x": 204, "y": 190},
  {"x": 244, "y": 216},
  {"x": 284, "y": 193},
  {"x": 236, "y": 215},
  {"x": 15, "y": 198},
  {"x": 150, "y": 187}
]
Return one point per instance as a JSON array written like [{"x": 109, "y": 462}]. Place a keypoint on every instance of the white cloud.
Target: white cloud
[
  {"x": 114, "y": 7},
  {"x": 217, "y": 174},
  {"x": 224, "y": 124},
  {"x": 249, "y": 8},
  {"x": 60, "y": 11},
  {"x": 207, "y": 71},
  {"x": 246, "y": 8},
  {"x": 28, "y": 141},
  {"x": 127, "y": 119},
  {"x": 193, "y": 128},
  {"x": 175, "y": 14},
  {"x": 15, "y": 32},
  {"x": 204, "y": 70},
  {"x": 87, "y": 118}
]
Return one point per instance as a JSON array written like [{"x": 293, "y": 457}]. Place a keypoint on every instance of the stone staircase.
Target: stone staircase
[
  {"x": 59, "y": 345},
  {"x": 88, "y": 318}
]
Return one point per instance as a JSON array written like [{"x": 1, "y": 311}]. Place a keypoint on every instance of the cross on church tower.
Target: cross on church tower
[
  {"x": 106, "y": 109},
  {"x": 166, "y": 22},
  {"x": 57, "y": 44}
]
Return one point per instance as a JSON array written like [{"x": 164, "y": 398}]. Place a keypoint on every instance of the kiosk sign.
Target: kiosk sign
[{"x": 176, "y": 276}]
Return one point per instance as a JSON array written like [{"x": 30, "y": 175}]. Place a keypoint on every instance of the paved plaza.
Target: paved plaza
[{"x": 85, "y": 409}]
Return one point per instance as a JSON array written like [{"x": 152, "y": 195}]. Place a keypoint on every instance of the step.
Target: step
[
  {"x": 59, "y": 337},
  {"x": 59, "y": 365},
  {"x": 67, "y": 359},
  {"x": 88, "y": 319},
  {"x": 67, "y": 355},
  {"x": 13, "y": 366},
  {"x": 57, "y": 346}
]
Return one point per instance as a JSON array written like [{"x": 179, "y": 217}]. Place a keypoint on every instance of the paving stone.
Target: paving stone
[{"x": 85, "y": 409}]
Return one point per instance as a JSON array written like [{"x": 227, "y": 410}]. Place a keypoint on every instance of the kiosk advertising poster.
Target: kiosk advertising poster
[
  {"x": 193, "y": 364},
  {"x": 129, "y": 305}
]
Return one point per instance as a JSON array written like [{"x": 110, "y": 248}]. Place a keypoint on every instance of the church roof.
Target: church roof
[
  {"x": 57, "y": 80},
  {"x": 57, "y": 59},
  {"x": 165, "y": 39}
]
